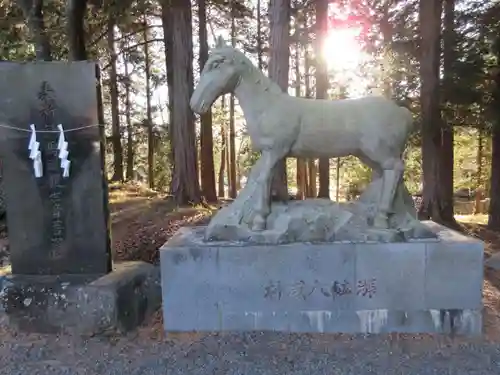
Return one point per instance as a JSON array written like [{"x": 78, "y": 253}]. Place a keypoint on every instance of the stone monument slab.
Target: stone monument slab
[
  {"x": 58, "y": 225},
  {"x": 323, "y": 287}
]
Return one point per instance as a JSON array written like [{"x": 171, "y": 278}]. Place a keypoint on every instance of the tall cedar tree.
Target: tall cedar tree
[
  {"x": 434, "y": 202},
  {"x": 128, "y": 117},
  {"x": 279, "y": 64},
  {"x": 185, "y": 185},
  {"x": 149, "y": 115},
  {"x": 301, "y": 164},
  {"x": 494, "y": 211},
  {"x": 115, "y": 115},
  {"x": 206, "y": 135},
  {"x": 167, "y": 39},
  {"x": 322, "y": 87},
  {"x": 75, "y": 13},
  {"x": 223, "y": 153},
  {"x": 446, "y": 153},
  {"x": 232, "y": 130},
  {"x": 311, "y": 165}
]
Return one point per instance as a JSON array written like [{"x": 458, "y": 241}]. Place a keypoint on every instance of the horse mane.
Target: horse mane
[{"x": 252, "y": 72}]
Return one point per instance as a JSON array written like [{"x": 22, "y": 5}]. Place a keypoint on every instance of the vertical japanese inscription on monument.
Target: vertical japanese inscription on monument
[{"x": 52, "y": 173}]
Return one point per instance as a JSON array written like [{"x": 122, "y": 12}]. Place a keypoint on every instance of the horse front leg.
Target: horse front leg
[
  {"x": 391, "y": 177},
  {"x": 262, "y": 207}
]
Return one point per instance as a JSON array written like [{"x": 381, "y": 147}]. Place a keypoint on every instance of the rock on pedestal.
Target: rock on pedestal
[
  {"x": 432, "y": 286},
  {"x": 317, "y": 220}
]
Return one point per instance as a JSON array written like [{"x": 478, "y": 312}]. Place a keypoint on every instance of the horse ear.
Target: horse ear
[{"x": 220, "y": 42}]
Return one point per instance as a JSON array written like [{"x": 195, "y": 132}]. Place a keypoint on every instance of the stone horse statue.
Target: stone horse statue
[{"x": 374, "y": 129}]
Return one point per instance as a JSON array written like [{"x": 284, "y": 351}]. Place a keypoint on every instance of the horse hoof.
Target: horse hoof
[{"x": 259, "y": 224}]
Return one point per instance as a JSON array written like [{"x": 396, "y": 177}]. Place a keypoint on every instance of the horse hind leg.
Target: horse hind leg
[
  {"x": 392, "y": 174},
  {"x": 390, "y": 169}
]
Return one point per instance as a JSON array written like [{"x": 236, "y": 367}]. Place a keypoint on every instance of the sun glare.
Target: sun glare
[{"x": 342, "y": 51}]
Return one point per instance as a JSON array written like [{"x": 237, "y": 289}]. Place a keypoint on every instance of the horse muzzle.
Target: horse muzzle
[
  {"x": 195, "y": 103},
  {"x": 198, "y": 104}
]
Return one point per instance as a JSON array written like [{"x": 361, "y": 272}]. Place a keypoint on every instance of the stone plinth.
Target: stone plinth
[
  {"x": 81, "y": 304},
  {"x": 432, "y": 286}
]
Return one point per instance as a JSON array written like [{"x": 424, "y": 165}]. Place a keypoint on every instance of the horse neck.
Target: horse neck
[{"x": 255, "y": 91}]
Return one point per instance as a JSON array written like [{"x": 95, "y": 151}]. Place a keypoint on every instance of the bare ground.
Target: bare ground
[{"x": 141, "y": 222}]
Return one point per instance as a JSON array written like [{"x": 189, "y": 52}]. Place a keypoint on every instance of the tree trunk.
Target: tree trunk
[
  {"x": 221, "y": 188},
  {"x": 479, "y": 180},
  {"x": 310, "y": 164},
  {"x": 259, "y": 35},
  {"x": 337, "y": 180},
  {"x": 75, "y": 16},
  {"x": 167, "y": 39},
  {"x": 306, "y": 179},
  {"x": 232, "y": 150},
  {"x": 115, "y": 114},
  {"x": 301, "y": 164},
  {"x": 279, "y": 56},
  {"x": 446, "y": 154},
  {"x": 312, "y": 177},
  {"x": 206, "y": 135},
  {"x": 494, "y": 210},
  {"x": 185, "y": 185},
  {"x": 338, "y": 161},
  {"x": 322, "y": 87},
  {"x": 232, "y": 132},
  {"x": 228, "y": 162},
  {"x": 128, "y": 117},
  {"x": 149, "y": 116},
  {"x": 434, "y": 203},
  {"x": 301, "y": 179},
  {"x": 33, "y": 12}
]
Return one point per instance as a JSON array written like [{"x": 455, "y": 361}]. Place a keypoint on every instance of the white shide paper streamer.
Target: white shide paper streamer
[
  {"x": 62, "y": 146},
  {"x": 35, "y": 153}
]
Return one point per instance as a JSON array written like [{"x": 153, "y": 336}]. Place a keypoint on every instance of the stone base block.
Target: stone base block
[
  {"x": 82, "y": 304},
  {"x": 419, "y": 286}
]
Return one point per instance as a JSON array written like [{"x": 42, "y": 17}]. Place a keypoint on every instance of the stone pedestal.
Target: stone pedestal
[
  {"x": 432, "y": 286},
  {"x": 81, "y": 304}
]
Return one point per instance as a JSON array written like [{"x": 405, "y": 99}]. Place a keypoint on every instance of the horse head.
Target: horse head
[{"x": 220, "y": 75}]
